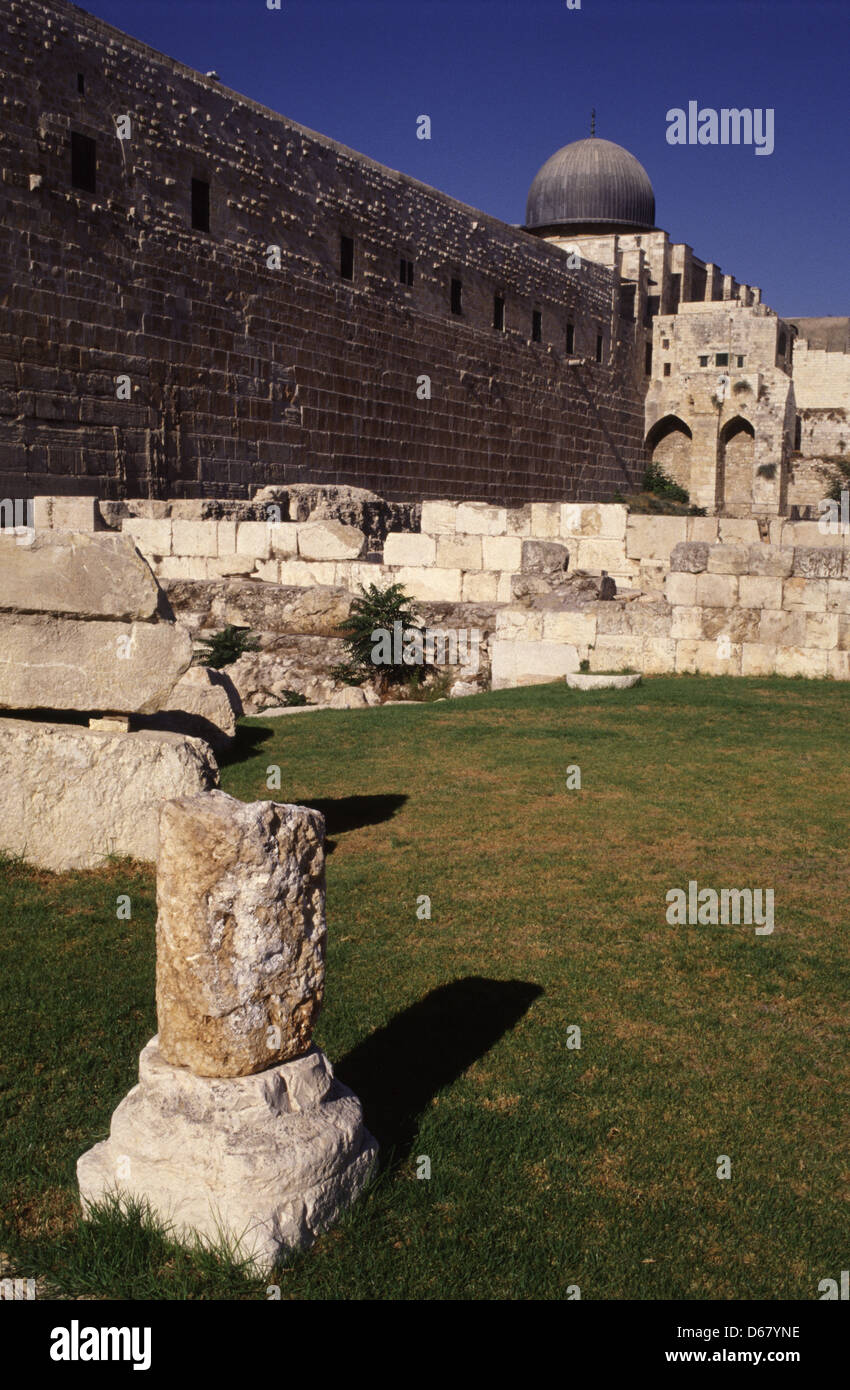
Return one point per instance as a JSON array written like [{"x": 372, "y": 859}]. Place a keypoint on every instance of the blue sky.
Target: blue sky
[{"x": 506, "y": 82}]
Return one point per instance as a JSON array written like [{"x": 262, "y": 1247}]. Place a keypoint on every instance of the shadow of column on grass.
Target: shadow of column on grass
[
  {"x": 399, "y": 1069},
  {"x": 343, "y": 813}
]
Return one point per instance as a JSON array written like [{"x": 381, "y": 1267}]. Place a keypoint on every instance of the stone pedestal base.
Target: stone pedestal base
[{"x": 268, "y": 1160}]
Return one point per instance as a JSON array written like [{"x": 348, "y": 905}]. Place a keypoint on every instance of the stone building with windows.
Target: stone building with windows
[
  {"x": 201, "y": 298},
  {"x": 747, "y": 412}
]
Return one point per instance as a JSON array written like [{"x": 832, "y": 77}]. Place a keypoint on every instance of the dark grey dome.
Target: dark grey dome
[{"x": 591, "y": 182}]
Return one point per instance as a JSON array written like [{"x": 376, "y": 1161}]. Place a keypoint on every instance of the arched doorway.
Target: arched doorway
[
  {"x": 737, "y": 453},
  {"x": 668, "y": 447}
]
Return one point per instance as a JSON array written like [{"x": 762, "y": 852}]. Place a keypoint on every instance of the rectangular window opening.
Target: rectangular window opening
[
  {"x": 83, "y": 162},
  {"x": 499, "y": 313},
  {"x": 200, "y": 205},
  {"x": 536, "y": 326},
  {"x": 571, "y": 337},
  {"x": 740, "y": 361},
  {"x": 666, "y": 368},
  {"x": 457, "y": 297},
  {"x": 81, "y": 84},
  {"x": 721, "y": 359},
  {"x": 647, "y": 361},
  {"x": 599, "y": 347},
  {"x": 346, "y": 257},
  {"x": 703, "y": 361},
  {"x": 406, "y": 271}
]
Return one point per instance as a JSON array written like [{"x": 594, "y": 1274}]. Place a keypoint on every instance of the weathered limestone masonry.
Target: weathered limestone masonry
[
  {"x": 518, "y": 576},
  {"x": 82, "y": 628},
  {"x": 728, "y": 609},
  {"x": 237, "y": 1127},
  {"x": 822, "y": 387},
  {"x": 235, "y": 372}
]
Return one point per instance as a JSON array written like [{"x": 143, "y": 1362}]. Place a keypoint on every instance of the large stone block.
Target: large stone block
[
  {"x": 71, "y": 796},
  {"x": 614, "y": 652},
  {"x": 283, "y": 539},
  {"x": 433, "y": 584},
  {"x": 605, "y": 519},
  {"x": 152, "y": 537},
  {"x": 254, "y": 539},
  {"x": 480, "y": 586},
  {"x": 838, "y": 665},
  {"x": 759, "y": 591},
  {"x": 518, "y": 520},
  {"x": 818, "y": 562},
  {"x": 458, "y": 552},
  {"x": 330, "y": 540},
  {"x": 93, "y": 575},
  {"x": 603, "y": 553},
  {"x": 775, "y": 561},
  {"x": 689, "y": 557},
  {"x": 717, "y": 590},
  {"x": 198, "y": 538},
  {"x": 708, "y": 658},
  {"x": 758, "y": 659},
  {"x": 480, "y": 519},
  {"x": 566, "y": 626},
  {"x": 653, "y": 537},
  {"x": 439, "y": 518},
  {"x": 65, "y": 664},
  {"x": 728, "y": 559},
  {"x": 735, "y": 530},
  {"x": 513, "y": 624},
  {"x": 240, "y": 932},
  {"x": 821, "y": 630},
  {"x": 737, "y": 624},
  {"x": 531, "y": 663},
  {"x": 807, "y": 533},
  {"x": 806, "y": 594},
  {"x": 782, "y": 629},
  {"x": 546, "y": 520},
  {"x": 67, "y": 513},
  {"x": 301, "y": 574},
  {"x": 680, "y": 589},
  {"x": 502, "y": 553},
  {"x": 204, "y": 704},
  {"x": 267, "y": 1161},
  {"x": 703, "y": 528},
  {"x": 544, "y": 557},
  {"x": 411, "y": 548},
  {"x": 838, "y": 595},
  {"x": 800, "y": 661},
  {"x": 686, "y": 623}
]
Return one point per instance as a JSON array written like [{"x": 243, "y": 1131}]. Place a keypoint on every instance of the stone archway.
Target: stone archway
[
  {"x": 668, "y": 446},
  {"x": 737, "y": 460}
]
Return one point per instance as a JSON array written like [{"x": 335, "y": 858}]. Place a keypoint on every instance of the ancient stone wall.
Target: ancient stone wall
[{"x": 143, "y": 356}]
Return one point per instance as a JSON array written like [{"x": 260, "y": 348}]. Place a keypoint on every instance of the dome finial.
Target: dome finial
[{"x": 593, "y": 121}]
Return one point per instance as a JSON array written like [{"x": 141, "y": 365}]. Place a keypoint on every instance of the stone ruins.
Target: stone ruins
[
  {"x": 85, "y": 630},
  {"x": 168, "y": 241},
  {"x": 237, "y": 1128}
]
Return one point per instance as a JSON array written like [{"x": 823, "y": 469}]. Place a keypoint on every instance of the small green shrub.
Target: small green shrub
[
  {"x": 377, "y": 609},
  {"x": 655, "y": 480},
  {"x": 225, "y": 647}
]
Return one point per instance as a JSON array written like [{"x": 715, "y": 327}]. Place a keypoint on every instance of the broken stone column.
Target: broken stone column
[{"x": 238, "y": 1126}]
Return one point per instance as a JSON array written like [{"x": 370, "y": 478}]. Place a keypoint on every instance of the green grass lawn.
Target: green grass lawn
[{"x": 551, "y": 1166}]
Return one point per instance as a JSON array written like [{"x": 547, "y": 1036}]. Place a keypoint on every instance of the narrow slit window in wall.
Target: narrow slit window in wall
[
  {"x": 83, "y": 162},
  {"x": 346, "y": 257},
  {"x": 200, "y": 205}
]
